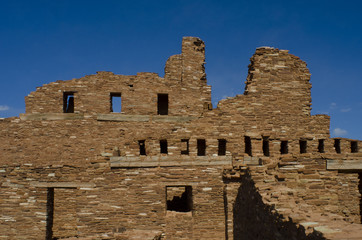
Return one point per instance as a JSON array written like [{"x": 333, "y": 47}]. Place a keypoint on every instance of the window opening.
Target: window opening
[
  {"x": 116, "y": 102},
  {"x": 321, "y": 145},
  {"x": 162, "y": 104},
  {"x": 337, "y": 145},
  {"x": 68, "y": 102},
  {"x": 163, "y": 146},
  {"x": 142, "y": 146},
  {"x": 50, "y": 214},
  {"x": 179, "y": 198},
  {"x": 201, "y": 147},
  {"x": 185, "y": 146},
  {"x": 354, "y": 146},
  {"x": 284, "y": 147},
  {"x": 266, "y": 146},
  {"x": 248, "y": 149},
  {"x": 222, "y": 147},
  {"x": 302, "y": 146}
]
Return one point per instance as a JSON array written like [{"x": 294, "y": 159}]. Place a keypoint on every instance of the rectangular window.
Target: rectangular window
[
  {"x": 222, "y": 147},
  {"x": 266, "y": 146},
  {"x": 179, "y": 198},
  {"x": 201, "y": 147},
  {"x": 284, "y": 147},
  {"x": 321, "y": 145},
  {"x": 68, "y": 102},
  {"x": 302, "y": 146},
  {"x": 162, "y": 104},
  {"x": 116, "y": 102},
  {"x": 354, "y": 146},
  {"x": 185, "y": 146},
  {"x": 163, "y": 146},
  {"x": 142, "y": 146},
  {"x": 247, "y": 142},
  {"x": 337, "y": 145}
]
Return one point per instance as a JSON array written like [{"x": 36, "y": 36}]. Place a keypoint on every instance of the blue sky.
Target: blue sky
[{"x": 45, "y": 41}]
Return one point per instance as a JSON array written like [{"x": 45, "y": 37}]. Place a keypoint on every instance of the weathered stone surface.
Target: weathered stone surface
[{"x": 258, "y": 166}]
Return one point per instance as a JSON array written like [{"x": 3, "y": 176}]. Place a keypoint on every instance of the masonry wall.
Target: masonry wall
[{"x": 105, "y": 188}]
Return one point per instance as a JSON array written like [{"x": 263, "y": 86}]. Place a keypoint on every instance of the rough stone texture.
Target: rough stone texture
[{"x": 89, "y": 164}]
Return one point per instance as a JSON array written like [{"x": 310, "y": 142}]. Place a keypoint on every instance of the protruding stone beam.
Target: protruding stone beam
[
  {"x": 346, "y": 165},
  {"x": 169, "y": 161},
  {"x": 62, "y": 185},
  {"x": 51, "y": 116},
  {"x": 142, "y": 118}
]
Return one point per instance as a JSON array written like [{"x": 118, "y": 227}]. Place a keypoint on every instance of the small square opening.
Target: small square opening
[
  {"x": 284, "y": 147},
  {"x": 179, "y": 198},
  {"x": 163, "y": 146},
  {"x": 337, "y": 145},
  {"x": 116, "y": 102},
  {"x": 354, "y": 146},
  {"x": 201, "y": 147},
  {"x": 248, "y": 147},
  {"x": 266, "y": 146},
  {"x": 185, "y": 146},
  {"x": 142, "y": 147},
  {"x": 68, "y": 102},
  {"x": 222, "y": 147},
  {"x": 302, "y": 146},
  {"x": 321, "y": 145}
]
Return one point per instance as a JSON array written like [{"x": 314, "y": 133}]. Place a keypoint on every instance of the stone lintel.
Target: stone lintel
[
  {"x": 62, "y": 185},
  {"x": 333, "y": 164},
  {"x": 51, "y": 116},
  {"x": 119, "y": 117},
  {"x": 169, "y": 161}
]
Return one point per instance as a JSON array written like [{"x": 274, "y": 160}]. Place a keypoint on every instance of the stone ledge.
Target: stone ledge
[
  {"x": 51, "y": 116},
  {"x": 169, "y": 161},
  {"x": 142, "y": 118},
  {"x": 344, "y": 164},
  {"x": 62, "y": 185}
]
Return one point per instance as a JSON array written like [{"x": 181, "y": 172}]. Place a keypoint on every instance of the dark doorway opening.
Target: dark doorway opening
[
  {"x": 201, "y": 147},
  {"x": 179, "y": 198},
  {"x": 50, "y": 214},
  {"x": 266, "y": 146},
  {"x": 222, "y": 147},
  {"x": 248, "y": 149}
]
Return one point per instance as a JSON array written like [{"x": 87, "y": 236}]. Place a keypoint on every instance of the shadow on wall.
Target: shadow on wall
[{"x": 255, "y": 220}]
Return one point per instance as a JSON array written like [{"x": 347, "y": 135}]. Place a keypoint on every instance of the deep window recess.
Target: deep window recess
[
  {"x": 266, "y": 146},
  {"x": 222, "y": 147},
  {"x": 248, "y": 149},
  {"x": 162, "y": 104},
  {"x": 185, "y": 146},
  {"x": 321, "y": 145},
  {"x": 163, "y": 146},
  {"x": 201, "y": 147},
  {"x": 141, "y": 144},
  {"x": 354, "y": 147},
  {"x": 116, "y": 102},
  {"x": 50, "y": 214},
  {"x": 337, "y": 145},
  {"x": 68, "y": 102},
  {"x": 302, "y": 146},
  {"x": 284, "y": 147},
  {"x": 179, "y": 198}
]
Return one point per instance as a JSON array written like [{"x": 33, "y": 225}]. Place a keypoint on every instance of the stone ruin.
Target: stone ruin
[{"x": 144, "y": 157}]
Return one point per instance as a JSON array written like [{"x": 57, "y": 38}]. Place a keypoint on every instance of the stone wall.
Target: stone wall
[{"x": 83, "y": 174}]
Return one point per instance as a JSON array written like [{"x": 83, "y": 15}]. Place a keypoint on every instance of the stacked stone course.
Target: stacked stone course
[{"x": 82, "y": 175}]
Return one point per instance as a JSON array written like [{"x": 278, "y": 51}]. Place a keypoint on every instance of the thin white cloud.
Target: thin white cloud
[
  {"x": 339, "y": 132},
  {"x": 346, "y": 109},
  {"x": 333, "y": 105},
  {"x": 4, "y": 108}
]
